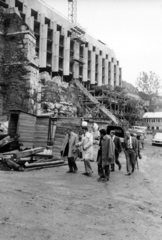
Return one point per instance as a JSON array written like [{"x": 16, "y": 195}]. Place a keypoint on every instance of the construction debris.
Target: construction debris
[
  {"x": 4, "y": 140},
  {"x": 27, "y": 153},
  {"x": 21, "y": 160}
]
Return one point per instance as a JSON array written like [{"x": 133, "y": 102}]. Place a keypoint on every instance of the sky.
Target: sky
[{"x": 132, "y": 28}]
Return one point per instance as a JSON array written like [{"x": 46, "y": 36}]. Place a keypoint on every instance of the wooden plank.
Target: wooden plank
[
  {"x": 40, "y": 138},
  {"x": 42, "y": 167},
  {"x": 43, "y": 155},
  {"x": 41, "y": 128},
  {"x": 10, "y": 153},
  {"x": 44, "y": 163},
  {"x": 26, "y": 115},
  {"x": 26, "y": 125},
  {"x": 4, "y": 140},
  {"x": 26, "y": 130},
  {"x": 40, "y": 144},
  {"x": 28, "y": 152},
  {"x": 41, "y": 133},
  {"x": 27, "y": 137},
  {"x": 44, "y": 122},
  {"x": 28, "y": 121}
]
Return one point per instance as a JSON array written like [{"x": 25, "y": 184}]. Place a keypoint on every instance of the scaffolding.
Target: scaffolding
[{"x": 97, "y": 106}]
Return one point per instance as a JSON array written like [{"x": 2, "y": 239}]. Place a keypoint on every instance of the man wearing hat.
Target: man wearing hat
[{"x": 118, "y": 150}]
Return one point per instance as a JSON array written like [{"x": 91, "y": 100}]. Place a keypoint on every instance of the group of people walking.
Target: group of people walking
[{"x": 108, "y": 153}]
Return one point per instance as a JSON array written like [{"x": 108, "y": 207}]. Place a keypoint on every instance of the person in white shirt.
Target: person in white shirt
[{"x": 87, "y": 145}]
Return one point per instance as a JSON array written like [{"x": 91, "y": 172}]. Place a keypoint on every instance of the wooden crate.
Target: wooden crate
[{"x": 23, "y": 124}]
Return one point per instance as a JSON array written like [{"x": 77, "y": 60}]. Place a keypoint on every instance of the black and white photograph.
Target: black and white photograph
[{"x": 80, "y": 119}]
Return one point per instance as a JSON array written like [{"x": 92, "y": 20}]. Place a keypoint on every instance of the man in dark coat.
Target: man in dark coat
[
  {"x": 106, "y": 156},
  {"x": 69, "y": 150},
  {"x": 118, "y": 150},
  {"x": 131, "y": 151}
]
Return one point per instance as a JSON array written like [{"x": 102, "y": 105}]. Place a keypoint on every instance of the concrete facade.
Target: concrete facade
[{"x": 64, "y": 51}]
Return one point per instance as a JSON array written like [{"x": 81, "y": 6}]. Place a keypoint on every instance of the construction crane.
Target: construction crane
[{"x": 72, "y": 11}]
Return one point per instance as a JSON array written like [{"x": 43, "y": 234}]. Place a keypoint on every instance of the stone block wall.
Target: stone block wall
[{"x": 19, "y": 71}]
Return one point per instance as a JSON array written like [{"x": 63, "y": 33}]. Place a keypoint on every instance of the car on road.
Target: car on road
[
  {"x": 119, "y": 131},
  {"x": 157, "y": 139}
]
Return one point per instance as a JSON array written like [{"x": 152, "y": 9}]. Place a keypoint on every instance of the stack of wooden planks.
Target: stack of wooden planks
[{"x": 30, "y": 159}]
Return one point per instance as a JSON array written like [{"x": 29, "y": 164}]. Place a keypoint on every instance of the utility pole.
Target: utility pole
[{"x": 72, "y": 11}]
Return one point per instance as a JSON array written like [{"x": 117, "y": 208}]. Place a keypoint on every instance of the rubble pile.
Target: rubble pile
[{"x": 57, "y": 97}]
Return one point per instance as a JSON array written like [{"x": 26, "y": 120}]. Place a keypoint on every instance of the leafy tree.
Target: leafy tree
[{"x": 149, "y": 83}]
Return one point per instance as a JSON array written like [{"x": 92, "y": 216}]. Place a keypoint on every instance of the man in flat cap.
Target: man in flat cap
[{"x": 118, "y": 150}]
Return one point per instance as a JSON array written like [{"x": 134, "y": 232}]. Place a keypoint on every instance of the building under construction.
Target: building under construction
[{"x": 64, "y": 48}]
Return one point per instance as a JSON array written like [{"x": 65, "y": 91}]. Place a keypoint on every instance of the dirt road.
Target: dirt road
[{"x": 50, "y": 204}]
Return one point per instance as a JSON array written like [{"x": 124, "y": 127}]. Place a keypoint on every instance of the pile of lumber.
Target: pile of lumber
[
  {"x": 6, "y": 141},
  {"x": 31, "y": 159}
]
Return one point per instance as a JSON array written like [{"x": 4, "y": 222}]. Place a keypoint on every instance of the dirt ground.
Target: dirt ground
[{"x": 54, "y": 205}]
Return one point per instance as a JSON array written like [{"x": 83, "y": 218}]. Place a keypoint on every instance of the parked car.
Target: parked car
[
  {"x": 157, "y": 139},
  {"x": 119, "y": 131},
  {"x": 135, "y": 131},
  {"x": 141, "y": 129}
]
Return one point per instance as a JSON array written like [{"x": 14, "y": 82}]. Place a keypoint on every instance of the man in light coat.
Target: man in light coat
[
  {"x": 69, "y": 150},
  {"x": 106, "y": 156},
  {"x": 131, "y": 152},
  {"x": 87, "y": 146}
]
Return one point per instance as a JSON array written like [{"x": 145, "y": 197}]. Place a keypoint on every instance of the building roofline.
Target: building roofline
[
  {"x": 77, "y": 24},
  {"x": 53, "y": 9}
]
